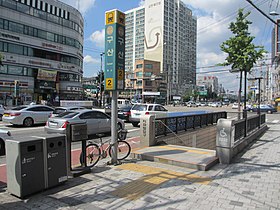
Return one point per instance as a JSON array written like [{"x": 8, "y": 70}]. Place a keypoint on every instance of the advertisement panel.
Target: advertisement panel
[
  {"x": 114, "y": 73},
  {"x": 46, "y": 75},
  {"x": 154, "y": 30}
]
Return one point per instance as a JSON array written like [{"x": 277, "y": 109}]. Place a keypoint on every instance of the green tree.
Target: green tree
[
  {"x": 242, "y": 53},
  {"x": 1, "y": 58}
]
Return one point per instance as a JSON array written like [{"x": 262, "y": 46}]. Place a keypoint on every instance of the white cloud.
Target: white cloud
[
  {"x": 142, "y": 2},
  {"x": 213, "y": 18},
  {"x": 98, "y": 38},
  {"x": 82, "y": 5},
  {"x": 89, "y": 59}
]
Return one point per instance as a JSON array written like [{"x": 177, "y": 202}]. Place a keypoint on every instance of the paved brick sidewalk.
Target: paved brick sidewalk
[{"x": 252, "y": 182}]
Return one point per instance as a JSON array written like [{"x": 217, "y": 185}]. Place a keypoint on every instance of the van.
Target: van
[{"x": 123, "y": 102}]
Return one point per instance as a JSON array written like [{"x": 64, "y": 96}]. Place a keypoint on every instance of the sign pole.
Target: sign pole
[
  {"x": 114, "y": 73},
  {"x": 114, "y": 122}
]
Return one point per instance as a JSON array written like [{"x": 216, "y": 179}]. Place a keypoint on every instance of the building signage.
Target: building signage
[
  {"x": 114, "y": 73},
  {"x": 153, "y": 40},
  {"x": 46, "y": 75},
  {"x": 74, "y": 89}
]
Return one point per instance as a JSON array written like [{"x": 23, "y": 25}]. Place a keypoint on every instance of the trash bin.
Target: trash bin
[
  {"x": 25, "y": 166},
  {"x": 55, "y": 163}
]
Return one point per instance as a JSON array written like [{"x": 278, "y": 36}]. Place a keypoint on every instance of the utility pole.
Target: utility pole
[{"x": 100, "y": 78}]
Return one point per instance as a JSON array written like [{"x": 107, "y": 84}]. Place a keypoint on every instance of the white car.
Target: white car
[
  {"x": 139, "y": 110},
  {"x": 2, "y": 109},
  {"x": 3, "y": 136},
  {"x": 234, "y": 106},
  {"x": 216, "y": 104},
  {"x": 27, "y": 115}
]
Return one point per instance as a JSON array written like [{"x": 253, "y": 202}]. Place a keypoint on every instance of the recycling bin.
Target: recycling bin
[
  {"x": 55, "y": 162},
  {"x": 25, "y": 166}
]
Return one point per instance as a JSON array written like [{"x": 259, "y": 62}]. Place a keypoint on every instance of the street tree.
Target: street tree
[
  {"x": 242, "y": 52},
  {"x": 1, "y": 59}
]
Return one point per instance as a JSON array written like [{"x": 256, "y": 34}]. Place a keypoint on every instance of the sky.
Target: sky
[{"x": 213, "y": 18}]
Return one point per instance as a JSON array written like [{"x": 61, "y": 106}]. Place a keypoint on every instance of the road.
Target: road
[{"x": 133, "y": 132}]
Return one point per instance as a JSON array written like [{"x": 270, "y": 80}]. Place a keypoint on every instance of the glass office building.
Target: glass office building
[{"x": 41, "y": 42}]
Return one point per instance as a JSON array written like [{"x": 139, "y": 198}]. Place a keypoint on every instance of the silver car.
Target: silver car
[
  {"x": 3, "y": 136},
  {"x": 97, "y": 121},
  {"x": 28, "y": 115},
  {"x": 61, "y": 109}
]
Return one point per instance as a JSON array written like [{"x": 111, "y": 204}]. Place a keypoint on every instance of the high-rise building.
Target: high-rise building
[
  {"x": 42, "y": 46},
  {"x": 134, "y": 37},
  {"x": 169, "y": 37}
]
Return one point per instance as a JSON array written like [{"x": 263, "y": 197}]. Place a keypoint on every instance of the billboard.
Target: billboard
[
  {"x": 47, "y": 75},
  {"x": 114, "y": 73},
  {"x": 153, "y": 39}
]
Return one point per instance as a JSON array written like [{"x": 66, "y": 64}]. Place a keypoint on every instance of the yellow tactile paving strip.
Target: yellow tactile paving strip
[{"x": 153, "y": 178}]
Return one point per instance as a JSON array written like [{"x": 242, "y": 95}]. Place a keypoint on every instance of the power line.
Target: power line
[{"x": 202, "y": 30}]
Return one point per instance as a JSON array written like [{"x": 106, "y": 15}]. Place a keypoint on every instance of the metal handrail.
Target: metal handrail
[{"x": 180, "y": 123}]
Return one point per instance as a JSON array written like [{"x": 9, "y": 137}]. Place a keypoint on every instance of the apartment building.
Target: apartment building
[
  {"x": 41, "y": 42},
  {"x": 168, "y": 32}
]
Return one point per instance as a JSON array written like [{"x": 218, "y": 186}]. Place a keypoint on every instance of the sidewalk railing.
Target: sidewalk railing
[
  {"x": 253, "y": 123},
  {"x": 166, "y": 125},
  {"x": 234, "y": 135}
]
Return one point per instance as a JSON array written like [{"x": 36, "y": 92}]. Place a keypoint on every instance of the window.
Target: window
[
  {"x": 138, "y": 66},
  {"x": 139, "y": 74},
  {"x": 86, "y": 115},
  {"x": 16, "y": 70},
  {"x": 99, "y": 115},
  {"x": 148, "y": 66}
]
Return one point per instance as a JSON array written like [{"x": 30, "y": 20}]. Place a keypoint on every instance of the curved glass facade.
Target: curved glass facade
[{"x": 42, "y": 46}]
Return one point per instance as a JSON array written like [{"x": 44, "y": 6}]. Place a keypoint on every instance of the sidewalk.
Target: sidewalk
[{"x": 252, "y": 182}]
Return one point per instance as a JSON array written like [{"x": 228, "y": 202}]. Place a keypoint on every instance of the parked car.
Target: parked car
[
  {"x": 61, "y": 109},
  {"x": 191, "y": 104},
  {"x": 2, "y": 109},
  {"x": 234, "y": 106},
  {"x": 139, "y": 110},
  {"x": 216, "y": 104},
  {"x": 3, "y": 136},
  {"x": 264, "y": 108},
  {"x": 28, "y": 115},
  {"x": 198, "y": 103},
  {"x": 97, "y": 121},
  {"x": 124, "y": 113},
  {"x": 203, "y": 104}
]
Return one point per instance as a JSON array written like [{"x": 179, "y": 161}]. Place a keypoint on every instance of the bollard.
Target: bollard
[{"x": 224, "y": 140}]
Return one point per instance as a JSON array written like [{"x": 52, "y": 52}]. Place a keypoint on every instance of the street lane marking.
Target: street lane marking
[
  {"x": 275, "y": 121},
  {"x": 151, "y": 180}
]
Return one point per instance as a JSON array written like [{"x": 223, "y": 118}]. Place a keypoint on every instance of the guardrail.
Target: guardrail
[
  {"x": 234, "y": 135},
  {"x": 166, "y": 125},
  {"x": 253, "y": 123}
]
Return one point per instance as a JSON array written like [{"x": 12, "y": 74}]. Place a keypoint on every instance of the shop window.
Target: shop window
[{"x": 16, "y": 70}]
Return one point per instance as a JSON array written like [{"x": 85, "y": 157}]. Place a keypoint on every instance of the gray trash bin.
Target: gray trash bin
[
  {"x": 25, "y": 166},
  {"x": 55, "y": 160}
]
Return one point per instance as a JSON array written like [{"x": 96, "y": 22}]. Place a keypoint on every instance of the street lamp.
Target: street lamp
[
  {"x": 259, "y": 97},
  {"x": 100, "y": 77}
]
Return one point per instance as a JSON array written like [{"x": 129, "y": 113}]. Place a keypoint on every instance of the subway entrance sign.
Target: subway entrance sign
[{"x": 114, "y": 72}]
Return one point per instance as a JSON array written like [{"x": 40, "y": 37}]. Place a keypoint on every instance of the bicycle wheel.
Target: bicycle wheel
[
  {"x": 124, "y": 150},
  {"x": 92, "y": 155}
]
